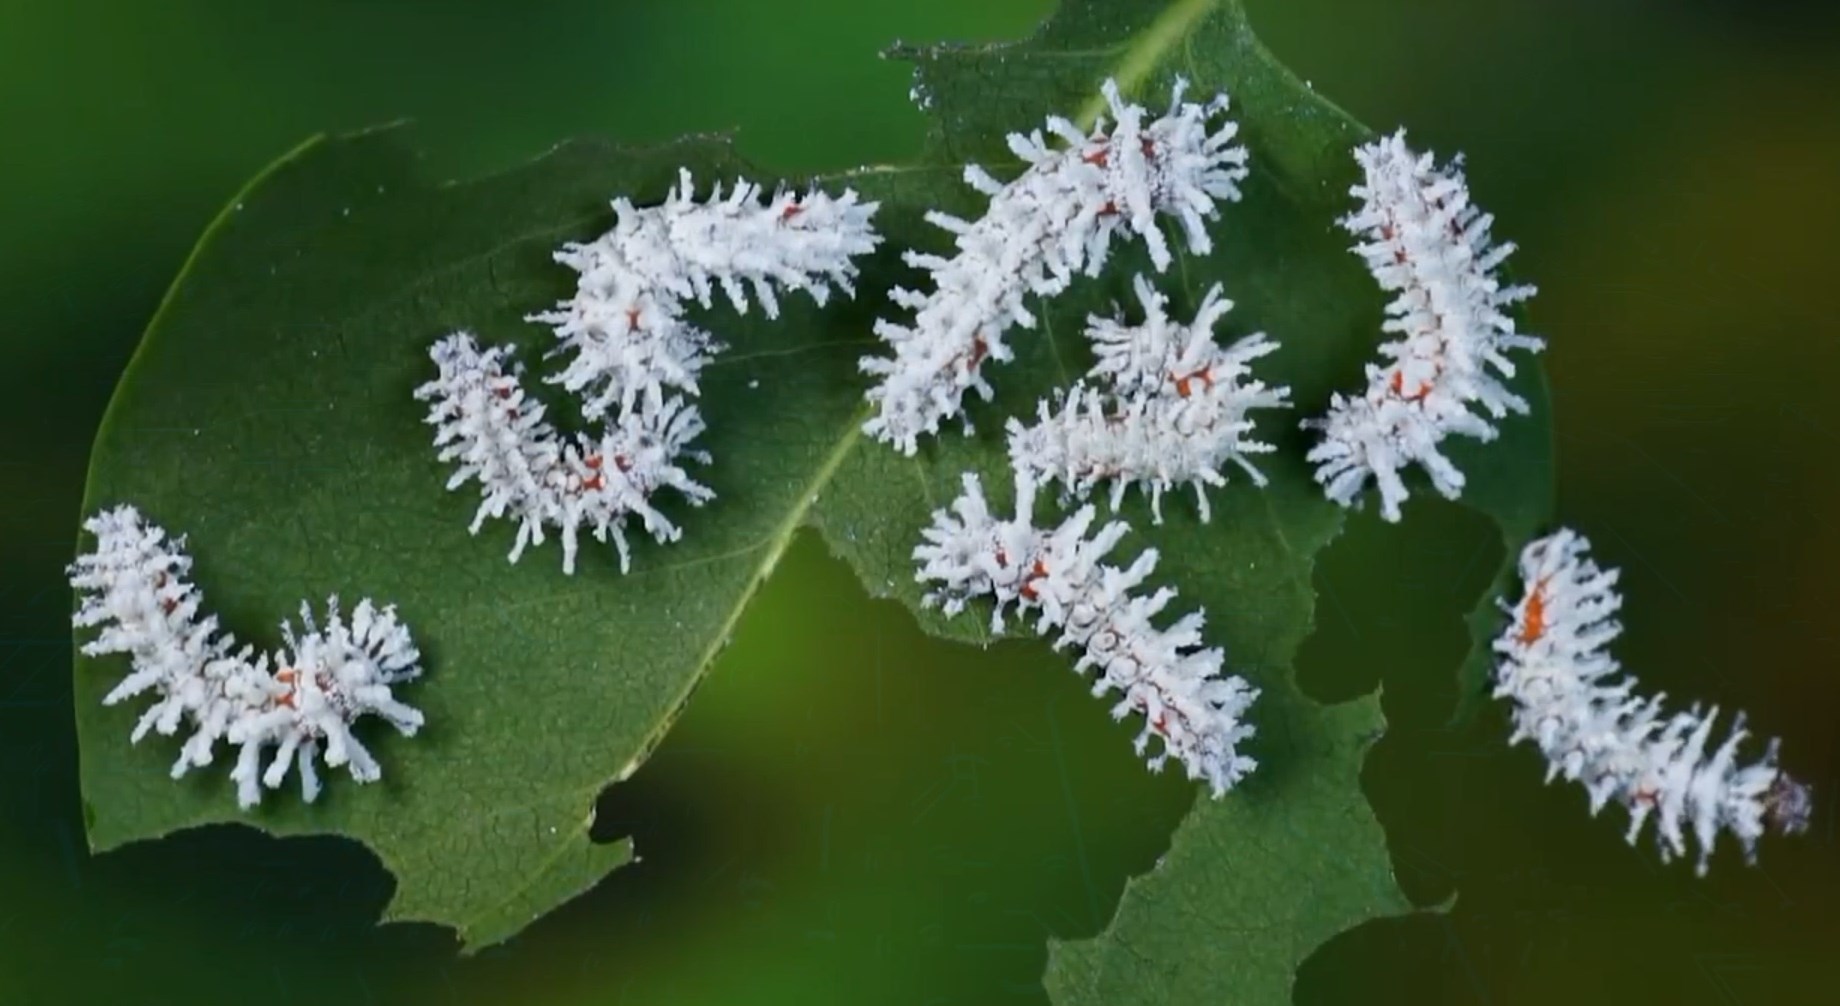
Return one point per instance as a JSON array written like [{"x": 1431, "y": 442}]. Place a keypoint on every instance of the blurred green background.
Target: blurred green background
[{"x": 852, "y": 813}]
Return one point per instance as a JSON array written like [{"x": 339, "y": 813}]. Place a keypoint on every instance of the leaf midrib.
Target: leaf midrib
[
  {"x": 1141, "y": 55},
  {"x": 1144, "y": 52}
]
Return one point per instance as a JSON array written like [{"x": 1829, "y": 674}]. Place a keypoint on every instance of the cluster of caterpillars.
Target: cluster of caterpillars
[{"x": 1164, "y": 406}]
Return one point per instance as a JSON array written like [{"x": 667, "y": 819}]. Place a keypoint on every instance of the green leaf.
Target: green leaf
[{"x": 268, "y": 415}]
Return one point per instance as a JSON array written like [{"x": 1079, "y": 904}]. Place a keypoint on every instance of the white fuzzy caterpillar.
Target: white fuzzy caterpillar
[
  {"x": 1570, "y": 699},
  {"x": 1056, "y": 220},
  {"x": 1060, "y": 575},
  {"x": 635, "y": 358},
  {"x": 134, "y": 586},
  {"x": 1425, "y": 242},
  {"x": 497, "y": 436},
  {"x": 624, "y": 325},
  {"x": 1167, "y": 406}
]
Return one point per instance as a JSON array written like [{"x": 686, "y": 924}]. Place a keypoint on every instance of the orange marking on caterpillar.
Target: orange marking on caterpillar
[
  {"x": 1036, "y": 572},
  {"x": 979, "y": 350},
  {"x": 1398, "y": 384},
  {"x": 287, "y": 676},
  {"x": 1184, "y": 383},
  {"x": 1533, "y": 623}
]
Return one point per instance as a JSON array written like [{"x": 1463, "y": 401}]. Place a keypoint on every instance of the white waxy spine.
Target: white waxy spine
[
  {"x": 134, "y": 586},
  {"x": 1059, "y": 575},
  {"x": 496, "y": 435},
  {"x": 1426, "y": 243},
  {"x": 1054, "y": 221},
  {"x": 1570, "y": 699},
  {"x": 1167, "y": 406},
  {"x": 624, "y": 325}
]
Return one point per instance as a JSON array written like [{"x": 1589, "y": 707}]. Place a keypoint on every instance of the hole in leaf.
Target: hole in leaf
[
  {"x": 842, "y": 783},
  {"x": 1391, "y": 607},
  {"x": 1391, "y": 600}
]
